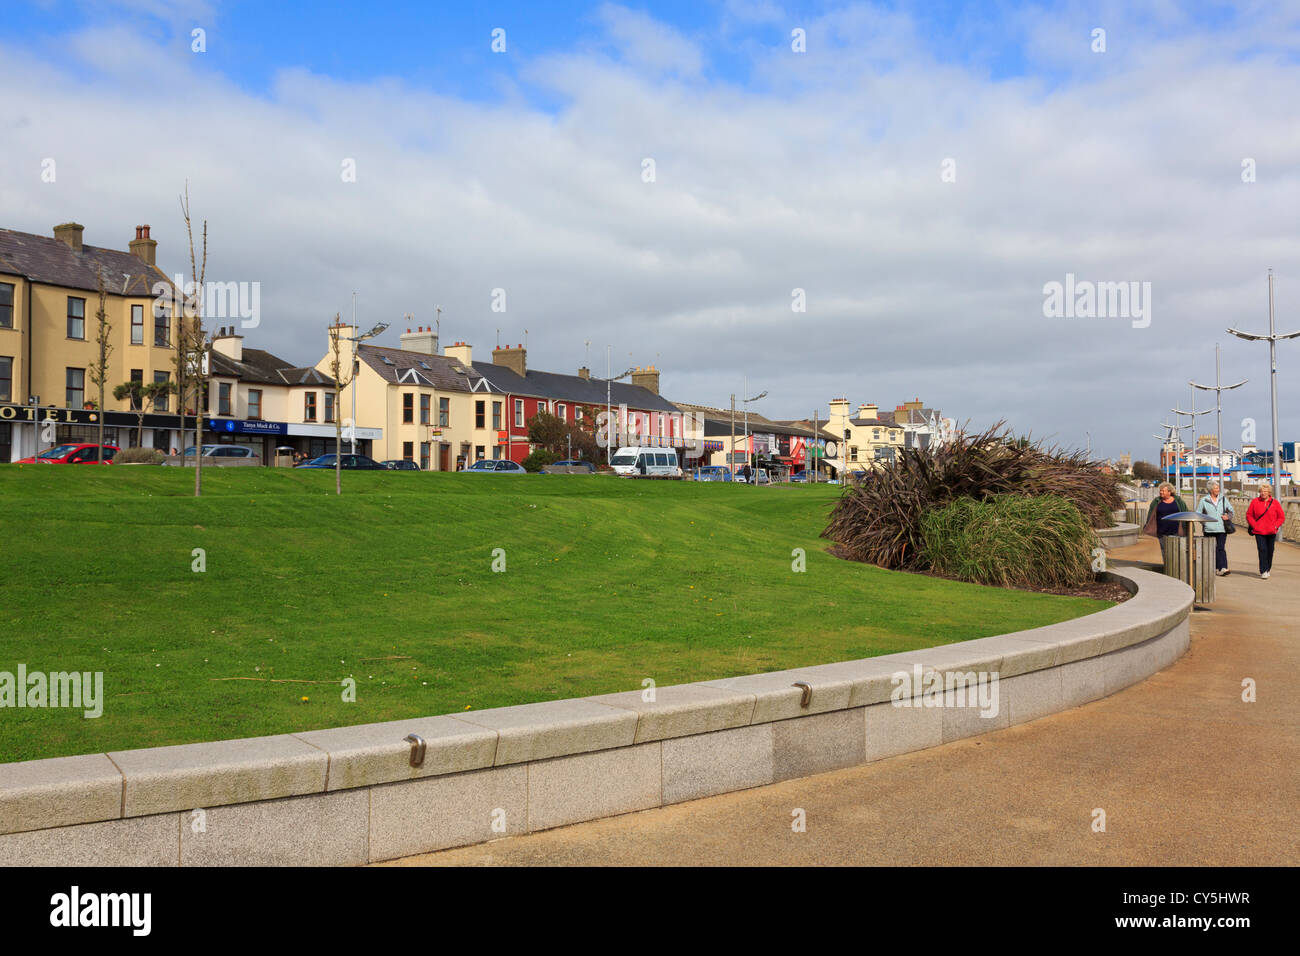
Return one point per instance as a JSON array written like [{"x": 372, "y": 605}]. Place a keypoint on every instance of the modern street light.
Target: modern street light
[
  {"x": 748, "y": 450},
  {"x": 379, "y": 329},
  {"x": 1272, "y": 339},
  {"x": 608, "y": 383},
  {"x": 1219, "y": 388},
  {"x": 1171, "y": 435},
  {"x": 1191, "y": 423}
]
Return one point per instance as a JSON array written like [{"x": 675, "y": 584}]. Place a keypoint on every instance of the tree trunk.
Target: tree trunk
[{"x": 338, "y": 442}]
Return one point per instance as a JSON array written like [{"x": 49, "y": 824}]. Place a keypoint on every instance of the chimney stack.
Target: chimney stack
[
  {"x": 514, "y": 359},
  {"x": 70, "y": 234},
  {"x": 226, "y": 342},
  {"x": 462, "y": 353},
  {"x": 424, "y": 341},
  {"x": 647, "y": 378},
  {"x": 144, "y": 248},
  {"x": 584, "y": 373}
]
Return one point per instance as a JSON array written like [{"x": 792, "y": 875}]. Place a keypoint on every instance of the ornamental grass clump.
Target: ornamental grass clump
[
  {"x": 1039, "y": 541},
  {"x": 878, "y": 520}
]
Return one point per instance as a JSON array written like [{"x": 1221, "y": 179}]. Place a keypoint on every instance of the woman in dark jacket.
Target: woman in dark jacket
[{"x": 1166, "y": 503}]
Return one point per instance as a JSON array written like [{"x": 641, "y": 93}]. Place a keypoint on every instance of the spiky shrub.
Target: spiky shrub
[
  {"x": 1038, "y": 541},
  {"x": 878, "y": 520}
]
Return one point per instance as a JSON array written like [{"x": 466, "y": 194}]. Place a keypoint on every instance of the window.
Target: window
[
  {"x": 875, "y": 434},
  {"x": 498, "y": 452},
  {"x": 6, "y": 378},
  {"x": 162, "y": 439},
  {"x": 6, "y": 305},
  {"x": 76, "y": 383},
  {"x": 408, "y": 450},
  {"x": 496, "y": 416},
  {"x": 577, "y": 413},
  {"x": 137, "y": 325},
  {"x": 161, "y": 330},
  {"x": 893, "y": 436},
  {"x": 444, "y": 411},
  {"x": 478, "y": 419},
  {"x": 560, "y": 412},
  {"x": 478, "y": 449},
  {"x": 408, "y": 408},
  {"x": 223, "y": 398},
  {"x": 137, "y": 379},
  {"x": 425, "y": 402},
  {"x": 309, "y": 407},
  {"x": 329, "y": 406},
  {"x": 161, "y": 402},
  {"x": 255, "y": 403},
  {"x": 853, "y": 453},
  {"x": 76, "y": 318},
  {"x": 519, "y": 413},
  {"x": 424, "y": 456}
]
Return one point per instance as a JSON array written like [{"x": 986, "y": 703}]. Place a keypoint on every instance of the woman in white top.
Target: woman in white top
[{"x": 1217, "y": 507}]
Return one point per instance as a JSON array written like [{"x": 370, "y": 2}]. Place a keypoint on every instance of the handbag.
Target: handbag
[{"x": 1228, "y": 526}]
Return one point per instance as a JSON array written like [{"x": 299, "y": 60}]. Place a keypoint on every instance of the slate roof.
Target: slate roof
[
  {"x": 404, "y": 367},
  {"x": 572, "y": 388},
  {"x": 757, "y": 422},
  {"x": 260, "y": 367},
  {"x": 53, "y": 262}
]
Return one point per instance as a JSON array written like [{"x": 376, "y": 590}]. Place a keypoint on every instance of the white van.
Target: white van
[{"x": 646, "y": 462}]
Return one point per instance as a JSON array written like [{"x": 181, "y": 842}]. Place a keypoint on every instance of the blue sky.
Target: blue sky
[{"x": 776, "y": 171}]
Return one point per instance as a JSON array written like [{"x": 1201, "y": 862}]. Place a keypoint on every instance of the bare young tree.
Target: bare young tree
[
  {"x": 336, "y": 369},
  {"x": 193, "y": 318},
  {"x": 99, "y": 371},
  {"x": 145, "y": 397}
]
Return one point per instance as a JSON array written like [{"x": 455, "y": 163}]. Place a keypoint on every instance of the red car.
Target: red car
[{"x": 73, "y": 454}]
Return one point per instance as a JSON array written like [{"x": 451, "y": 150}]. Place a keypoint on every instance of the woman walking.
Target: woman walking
[
  {"x": 1219, "y": 510},
  {"x": 1165, "y": 504},
  {"x": 1264, "y": 517}
]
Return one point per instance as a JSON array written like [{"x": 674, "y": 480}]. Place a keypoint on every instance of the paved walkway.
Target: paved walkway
[{"x": 1186, "y": 772}]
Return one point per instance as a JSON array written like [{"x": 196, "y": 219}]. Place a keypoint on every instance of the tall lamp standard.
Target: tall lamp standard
[
  {"x": 352, "y": 385},
  {"x": 1192, "y": 425},
  {"x": 1272, "y": 339},
  {"x": 1171, "y": 436},
  {"x": 608, "y": 383},
  {"x": 748, "y": 450},
  {"x": 1219, "y": 388}
]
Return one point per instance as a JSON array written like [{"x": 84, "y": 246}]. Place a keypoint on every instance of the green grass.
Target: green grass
[{"x": 607, "y": 582}]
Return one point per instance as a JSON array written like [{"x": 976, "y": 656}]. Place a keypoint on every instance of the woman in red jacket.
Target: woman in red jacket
[{"x": 1264, "y": 517}]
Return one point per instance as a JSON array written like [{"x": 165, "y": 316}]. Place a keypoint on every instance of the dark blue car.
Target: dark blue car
[{"x": 361, "y": 462}]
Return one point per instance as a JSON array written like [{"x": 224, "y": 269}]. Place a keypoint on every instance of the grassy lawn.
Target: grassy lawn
[{"x": 607, "y": 582}]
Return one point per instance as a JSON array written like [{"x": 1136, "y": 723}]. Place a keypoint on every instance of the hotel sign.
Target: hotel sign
[{"x": 40, "y": 414}]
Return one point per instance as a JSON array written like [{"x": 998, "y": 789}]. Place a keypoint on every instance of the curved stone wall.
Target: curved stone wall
[{"x": 351, "y": 795}]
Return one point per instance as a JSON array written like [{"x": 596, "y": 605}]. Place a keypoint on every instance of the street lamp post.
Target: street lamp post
[
  {"x": 608, "y": 401},
  {"x": 1192, "y": 425},
  {"x": 1272, "y": 339},
  {"x": 355, "y": 339},
  {"x": 1219, "y": 388},
  {"x": 748, "y": 450}
]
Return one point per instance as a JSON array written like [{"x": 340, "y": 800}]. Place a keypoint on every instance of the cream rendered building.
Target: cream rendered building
[
  {"x": 48, "y": 332},
  {"x": 867, "y": 437}
]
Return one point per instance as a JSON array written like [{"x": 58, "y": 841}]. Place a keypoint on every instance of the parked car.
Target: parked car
[
  {"x": 223, "y": 451},
  {"x": 713, "y": 473},
  {"x": 75, "y": 453},
  {"x": 800, "y": 476},
  {"x": 359, "y": 462},
  {"x": 646, "y": 462},
  {"x": 495, "y": 466},
  {"x": 578, "y": 463},
  {"x": 753, "y": 476},
  {"x": 400, "y": 464}
]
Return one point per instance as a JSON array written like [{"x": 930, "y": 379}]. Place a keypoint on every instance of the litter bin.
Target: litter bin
[
  {"x": 1190, "y": 557},
  {"x": 284, "y": 457}
]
